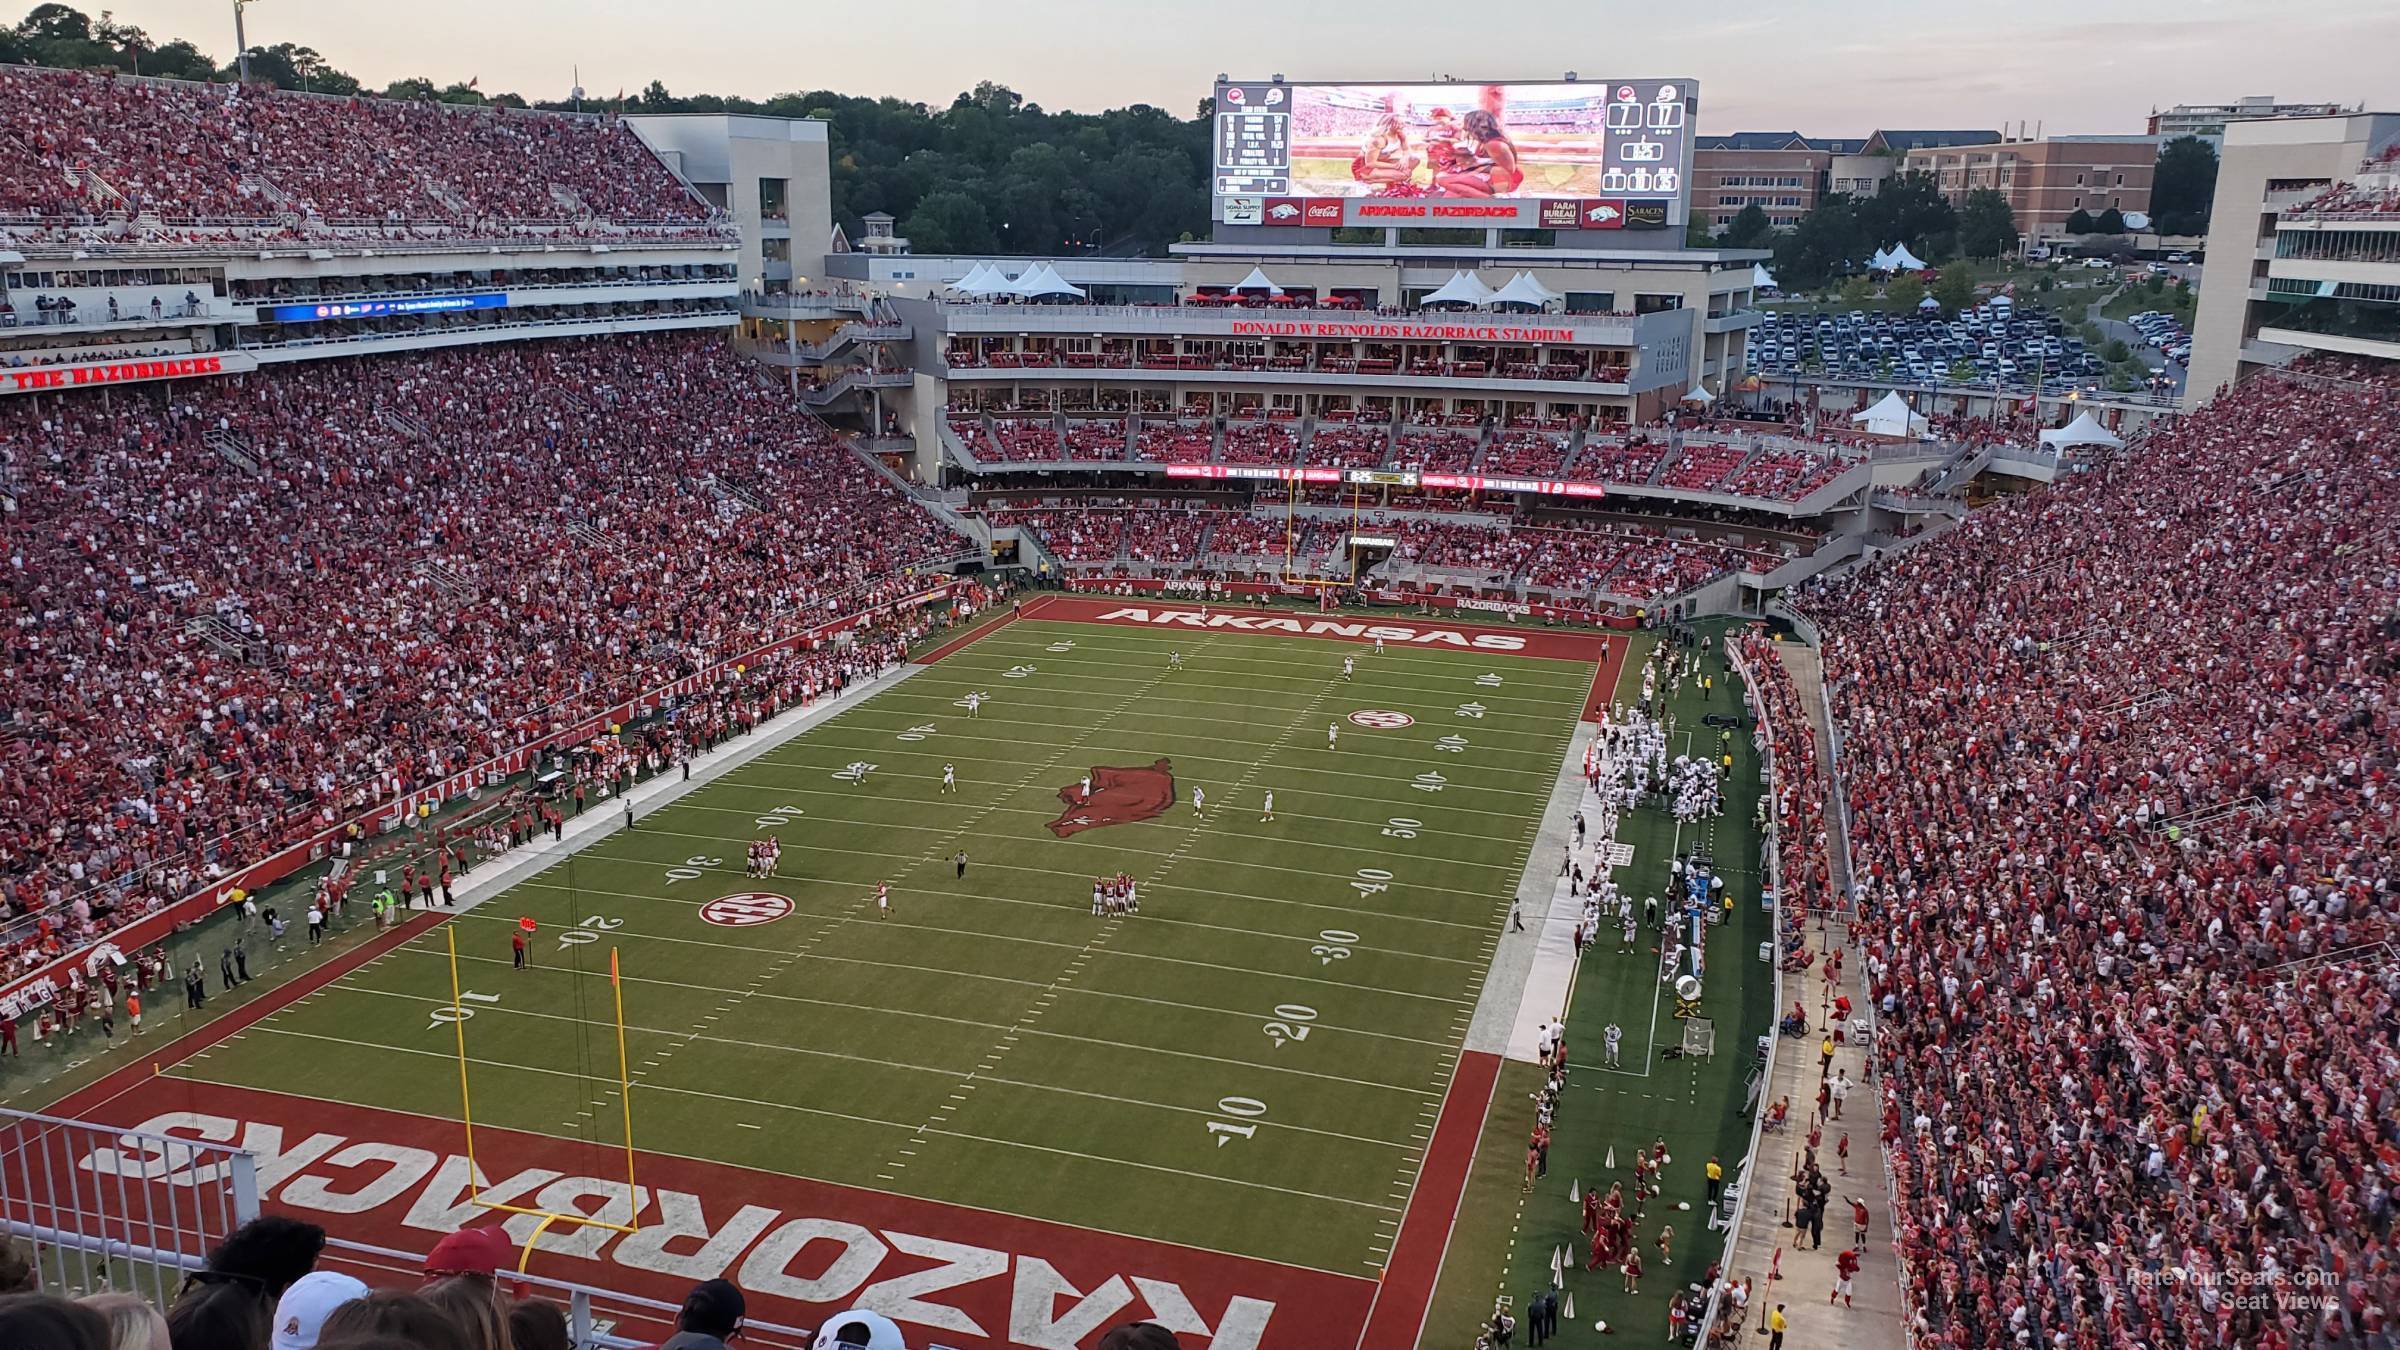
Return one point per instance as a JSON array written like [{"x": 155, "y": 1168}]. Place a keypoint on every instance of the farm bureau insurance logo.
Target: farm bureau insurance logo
[
  {"x": 746, "y": 909},
  {"x": 1382, "y": 719},
  {"x": 1119, "y": 796}
]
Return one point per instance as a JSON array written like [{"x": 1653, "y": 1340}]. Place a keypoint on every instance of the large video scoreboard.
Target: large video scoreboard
[{"x": 1596, "y": 155}]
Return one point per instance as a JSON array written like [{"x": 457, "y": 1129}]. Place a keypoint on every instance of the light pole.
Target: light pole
[{"x": 241, "y": 44}]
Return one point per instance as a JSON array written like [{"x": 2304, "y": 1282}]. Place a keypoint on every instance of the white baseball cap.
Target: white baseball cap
[
  {"x": 858, "y": 1330},
  {"x": 300, "y": 1314}
]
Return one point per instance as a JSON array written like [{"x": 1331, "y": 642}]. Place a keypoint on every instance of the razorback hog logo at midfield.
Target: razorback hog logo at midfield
[{"x": 1119, "y": 796}]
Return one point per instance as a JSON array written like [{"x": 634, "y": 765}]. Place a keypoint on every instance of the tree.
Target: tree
[
  {"x": 1857, "y": 291},
  {"x": 1749, "y": 228},
  {"x": 1696, "y": 233},
  {"x": 1987, "y": 225},
  {"x": 1911, "y": 210},
  {"x": 1904, "y": 291},
  {"x": 1956, "y": 289},
  {"x": 288, "y": 66},
  {"x": 1828, "y": 241},
  {"x": 2081, "y": 222},
  {"x": 949, "y": 222},
  {"x": 2111, "y": 221},
  {"x": 2116, "y": 351},
  {"x": 2184, "y": 186}
]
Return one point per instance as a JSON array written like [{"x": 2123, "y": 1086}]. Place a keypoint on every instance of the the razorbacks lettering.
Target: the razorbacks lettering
[
  {"x": 1262, "y": 623},
  {"x": 966, "y": 1294}
]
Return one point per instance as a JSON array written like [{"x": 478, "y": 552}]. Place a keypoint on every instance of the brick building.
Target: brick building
[
  {"x": 2047, "y": 181},
  {"x": 1786, "y": 174}
]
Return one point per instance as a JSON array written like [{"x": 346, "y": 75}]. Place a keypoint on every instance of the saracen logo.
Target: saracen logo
[
  {"x": 1262, "y": 623},
  {"x": 1118, "y": 796}
]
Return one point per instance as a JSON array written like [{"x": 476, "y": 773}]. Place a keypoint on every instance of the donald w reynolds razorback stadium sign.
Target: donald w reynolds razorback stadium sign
[{"x": 1373, "y": 328}]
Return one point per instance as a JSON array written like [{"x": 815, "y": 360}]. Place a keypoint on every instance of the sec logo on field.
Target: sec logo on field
[
  {"x": 1382, "y": 719},
  {"x": 746, "y": 909}
]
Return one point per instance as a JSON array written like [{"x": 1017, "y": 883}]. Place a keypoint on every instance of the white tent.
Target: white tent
[
  {"x": 1522, "y": 289},
  {"x": 1463, "y": 288},
  {"x": 1762, "y": 279},
  {"x": 1698, "y": 393},
  {"x": 1892, "y": 417},
  {"x": 2082, "y": 431},
  {"x": 980, "y": 279},
  {"x": 1039, "y": 280},
  {"x": 1879, "y": 262},
  {"x": 1257, "y": 281},
  {"x": 1899, "y": 259},
  {"x": 1929, "y": 303}
]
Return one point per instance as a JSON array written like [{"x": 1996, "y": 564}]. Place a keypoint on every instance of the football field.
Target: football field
[{"x": 1215, "y": 1110}]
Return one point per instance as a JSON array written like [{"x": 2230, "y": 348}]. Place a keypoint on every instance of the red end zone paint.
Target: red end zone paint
[
  {"x": 964, "y": 1278},
  {"x": 802, "y": 1250},
  {"x": 1410, "y": 631},
  {"x": 1398, "y": 1314}
]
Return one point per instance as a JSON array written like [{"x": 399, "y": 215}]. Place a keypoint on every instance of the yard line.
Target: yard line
[
  {"x": 1553, "y": 708},
  {"x": 715, "y": 1039},
  {"x": 847, "y": 794},
  {"x": 1066, "y": 904},
  {"x": 1069, "y": 907},
  {"x": 1046, "y": 812},
  {"x": 1172, "y": 1171},
  {"x": 1204, "y": 759},
  {"x": 776, "y": 1171},
  {"x": 1535, "y": 676},
  {"x": 1077, "y": 878},
  {"x": 937, "y": 1017}
]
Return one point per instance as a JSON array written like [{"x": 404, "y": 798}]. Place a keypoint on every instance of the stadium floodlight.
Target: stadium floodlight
[{"x": 241, "y": 44}]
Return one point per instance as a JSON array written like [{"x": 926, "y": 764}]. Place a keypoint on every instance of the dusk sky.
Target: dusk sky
[{"x": 1831, "y": 67}]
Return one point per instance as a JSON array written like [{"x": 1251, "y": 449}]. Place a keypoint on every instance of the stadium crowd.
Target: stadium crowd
[
  {"x": 199, "y": 155},
  {"x": 304, "y": 594},
  {"x": 273, "y": 1284},
  {"x": 2118, "y": 758}
]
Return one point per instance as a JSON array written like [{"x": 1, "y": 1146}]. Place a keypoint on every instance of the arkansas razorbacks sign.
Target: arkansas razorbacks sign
[{"x": 1118, "y": 796}]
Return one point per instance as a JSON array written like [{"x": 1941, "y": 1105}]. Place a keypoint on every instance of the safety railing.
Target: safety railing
[{"x": 107, "y": 1207}]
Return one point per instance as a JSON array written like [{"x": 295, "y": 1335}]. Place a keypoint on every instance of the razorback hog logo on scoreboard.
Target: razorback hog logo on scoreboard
[
  {"x": 970, "y": 1279},
  {"x": 1119, "y": 796},
  {"x": 1265, "y": 623}
]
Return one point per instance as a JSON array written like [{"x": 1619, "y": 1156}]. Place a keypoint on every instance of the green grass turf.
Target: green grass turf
[
  {"x": 1506, "y": 1234},
  {"x": 993, "y": 1043}
]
